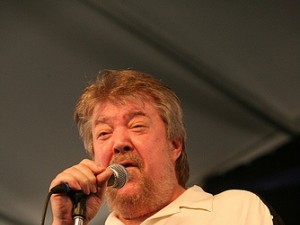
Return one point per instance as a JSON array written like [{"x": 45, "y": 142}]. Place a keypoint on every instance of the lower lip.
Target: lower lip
[{"x": 130, "y": 167}]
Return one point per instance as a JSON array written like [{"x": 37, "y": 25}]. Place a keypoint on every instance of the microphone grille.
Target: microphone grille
[{"x": 119, "y": 177}]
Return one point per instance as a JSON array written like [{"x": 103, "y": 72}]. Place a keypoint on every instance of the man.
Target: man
[{"x": 130, "y": 118}]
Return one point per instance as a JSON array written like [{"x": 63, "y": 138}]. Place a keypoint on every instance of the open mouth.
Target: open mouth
[{"x": 128, "y": 164}]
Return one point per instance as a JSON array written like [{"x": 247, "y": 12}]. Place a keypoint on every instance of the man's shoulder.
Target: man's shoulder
[
  {"x": 233, "y": 194},
  {"x": 236, "y": 194},
  {"x": 239, "y": 200}
]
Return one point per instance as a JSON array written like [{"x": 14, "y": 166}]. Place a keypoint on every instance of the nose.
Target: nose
[
  {"x": 122, "y": 148},
  {"x": 122, "y": 142}
]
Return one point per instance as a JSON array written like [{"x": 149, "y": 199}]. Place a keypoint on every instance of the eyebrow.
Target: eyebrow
[
  {"x": 101, "y": 121},
  {"x": 128, "y": 117},
  {"x": 134, "y": 114}
]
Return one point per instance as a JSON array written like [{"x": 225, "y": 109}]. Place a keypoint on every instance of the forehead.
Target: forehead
[{"x": 125, "y": 109}]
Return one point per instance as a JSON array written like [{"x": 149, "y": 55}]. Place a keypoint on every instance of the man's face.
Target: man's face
[{"x": 135, "y": 136}]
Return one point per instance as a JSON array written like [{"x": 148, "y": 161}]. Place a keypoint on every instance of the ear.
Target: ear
[{"x": 177, "y": 148}]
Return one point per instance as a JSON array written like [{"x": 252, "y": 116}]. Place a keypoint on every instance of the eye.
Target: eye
[
  {"x": 139, "y": 124},
  {"x": 103, "y": 135},
  {"x": 138, "y": 127}
]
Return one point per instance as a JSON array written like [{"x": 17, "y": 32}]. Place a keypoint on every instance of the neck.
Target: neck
[{"x": 138, "y": 220}]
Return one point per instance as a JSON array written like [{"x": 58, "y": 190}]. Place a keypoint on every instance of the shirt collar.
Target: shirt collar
[
  {"x": 195, "y": 198},
  {"x": 192, "y": 198}
]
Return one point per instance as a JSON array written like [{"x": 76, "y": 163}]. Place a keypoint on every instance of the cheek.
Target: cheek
[
  {"x": 158, "y": 156},
  {"x": 102, "y": 156}
]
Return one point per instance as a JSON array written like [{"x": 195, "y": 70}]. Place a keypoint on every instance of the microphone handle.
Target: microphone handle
[{"x": 79, "y": 207}]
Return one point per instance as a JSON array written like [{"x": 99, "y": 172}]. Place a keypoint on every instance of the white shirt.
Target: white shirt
[{"x": 196, "y": 207}]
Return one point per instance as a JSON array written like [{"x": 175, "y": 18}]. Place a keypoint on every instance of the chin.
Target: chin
[{"x": 130, "y": 188}]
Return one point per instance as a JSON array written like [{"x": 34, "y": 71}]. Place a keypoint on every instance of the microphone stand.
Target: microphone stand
[
  {"x": 78, "y": 220},
  {"x": 79, "y": 207}
]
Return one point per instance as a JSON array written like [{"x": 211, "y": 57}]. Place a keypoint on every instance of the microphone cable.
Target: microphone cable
[{"x": 45, "y": 208}]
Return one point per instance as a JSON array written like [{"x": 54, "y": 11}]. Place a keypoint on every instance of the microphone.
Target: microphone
[
  {"x": 117, "y": 180},
  {"x": 119, "y": 177}
]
